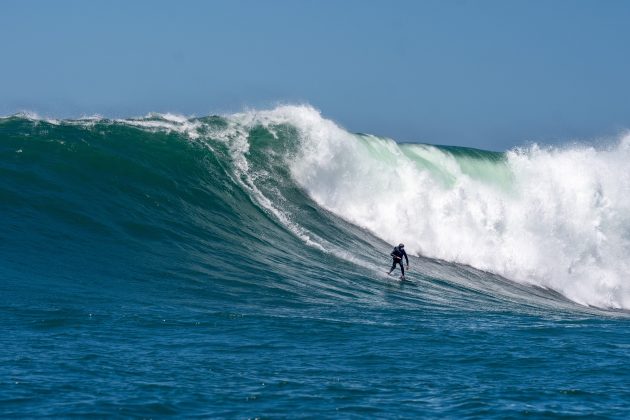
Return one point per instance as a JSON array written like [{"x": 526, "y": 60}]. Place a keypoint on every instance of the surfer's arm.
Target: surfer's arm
[{"x": 406, "y": 258}]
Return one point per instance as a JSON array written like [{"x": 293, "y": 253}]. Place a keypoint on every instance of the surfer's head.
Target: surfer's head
[{"x": 401, "y": 245}]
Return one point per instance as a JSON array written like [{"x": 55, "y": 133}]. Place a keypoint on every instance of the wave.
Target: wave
[{"x": 301, "y": 194}]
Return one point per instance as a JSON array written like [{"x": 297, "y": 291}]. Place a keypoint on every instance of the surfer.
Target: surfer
[{"x": 397, "y": 254}]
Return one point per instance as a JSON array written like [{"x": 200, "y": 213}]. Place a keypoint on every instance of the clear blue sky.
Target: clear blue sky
[{"x": 488, "y": 74}]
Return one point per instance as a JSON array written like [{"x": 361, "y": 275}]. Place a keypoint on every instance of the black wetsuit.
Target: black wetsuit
[{"x": 398, "y": 254}]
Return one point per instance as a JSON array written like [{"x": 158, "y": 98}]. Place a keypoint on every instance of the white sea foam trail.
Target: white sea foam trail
[{"x": 557, "y": 217}]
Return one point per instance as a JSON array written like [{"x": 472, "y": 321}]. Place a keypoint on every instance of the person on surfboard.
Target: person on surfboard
[{"x": 397, "y": 254}]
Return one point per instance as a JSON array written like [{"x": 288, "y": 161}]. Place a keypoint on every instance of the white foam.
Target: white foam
[
  {"x": 167, "y": 122},
  {"x": 562, "y": 222},
  {"x": 34, "y": 116}
]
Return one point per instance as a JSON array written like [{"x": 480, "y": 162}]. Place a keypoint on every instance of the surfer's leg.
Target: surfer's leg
[
  {"x": 402, "y": 268},
  {"x": 393, "y": 267}
]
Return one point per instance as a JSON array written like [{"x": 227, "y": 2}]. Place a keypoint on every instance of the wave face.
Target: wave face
[{"x": 287, "y": 182}]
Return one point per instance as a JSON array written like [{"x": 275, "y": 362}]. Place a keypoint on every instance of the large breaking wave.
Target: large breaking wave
[{"x": 554, "y": 217}]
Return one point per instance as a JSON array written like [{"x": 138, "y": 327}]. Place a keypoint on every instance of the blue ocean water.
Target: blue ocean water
[{"x": 234, "y": 267}]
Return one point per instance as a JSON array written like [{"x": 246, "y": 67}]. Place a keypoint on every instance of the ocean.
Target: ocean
[{"x": 235, "y": 267}]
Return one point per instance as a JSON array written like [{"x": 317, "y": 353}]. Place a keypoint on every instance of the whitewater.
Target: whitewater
[{"x": 554, "y": 217}]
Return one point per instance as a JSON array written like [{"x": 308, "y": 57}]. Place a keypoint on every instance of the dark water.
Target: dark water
[{"x": 143, "y": 274}]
